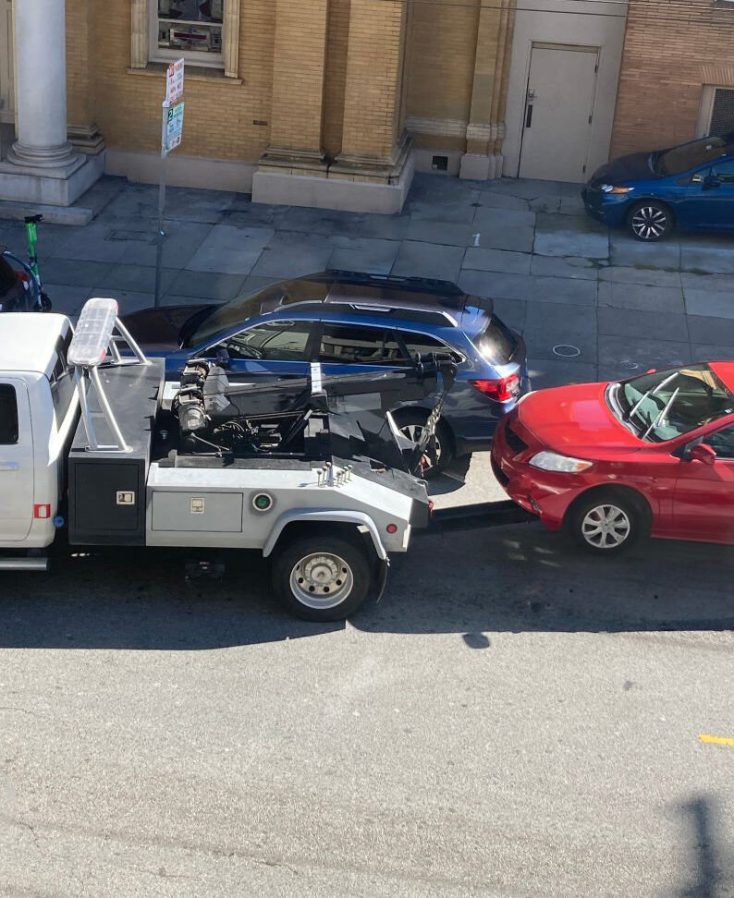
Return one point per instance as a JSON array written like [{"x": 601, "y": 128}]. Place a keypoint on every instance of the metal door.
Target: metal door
[
  {"x": 16, "y": 462},
  {"x": 7, "y": 65},
  {"x": 559, "y": 112}
]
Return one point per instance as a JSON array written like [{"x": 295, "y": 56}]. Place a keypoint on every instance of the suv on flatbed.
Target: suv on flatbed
[{"x": 352, "y": 322}]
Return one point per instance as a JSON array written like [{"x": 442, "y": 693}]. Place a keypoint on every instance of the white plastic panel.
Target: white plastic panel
[{"x": 93, "y": 332}]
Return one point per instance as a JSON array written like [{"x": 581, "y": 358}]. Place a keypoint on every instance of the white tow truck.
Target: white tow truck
[{"x": 95, "y": 445}]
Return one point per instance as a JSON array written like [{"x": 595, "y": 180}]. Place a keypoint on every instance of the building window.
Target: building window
[
  {"x": 203, "y": 32},
  {"x": 717, "y": 111},
  {"x": 188, "y": 28},
  {"x": 722, "y": 111}
]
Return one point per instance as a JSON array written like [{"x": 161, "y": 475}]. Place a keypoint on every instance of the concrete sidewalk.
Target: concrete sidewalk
[{"x": 590, "y": 303}]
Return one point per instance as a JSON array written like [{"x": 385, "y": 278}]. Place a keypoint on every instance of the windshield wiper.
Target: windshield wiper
[
  {"x": 661, "y": 417},
  {"x": 649, "y": 393}
]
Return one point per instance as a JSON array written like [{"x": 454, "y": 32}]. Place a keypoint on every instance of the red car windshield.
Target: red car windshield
[{"x": 667, "y": 404}]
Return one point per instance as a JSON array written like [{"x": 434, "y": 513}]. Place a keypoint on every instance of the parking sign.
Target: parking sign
[
  {"x": 175, "y": 81},
  {"x": 174, "y": 126}
]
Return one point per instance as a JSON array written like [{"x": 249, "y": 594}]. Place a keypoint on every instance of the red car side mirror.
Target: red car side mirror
[{"x": 703, "y": 453}]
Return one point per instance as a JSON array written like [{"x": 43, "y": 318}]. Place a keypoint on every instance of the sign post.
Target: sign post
[{"x": 171, "y": 134}]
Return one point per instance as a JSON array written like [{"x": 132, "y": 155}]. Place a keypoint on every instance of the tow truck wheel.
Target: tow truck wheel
[{"x": 322, "y": 578}]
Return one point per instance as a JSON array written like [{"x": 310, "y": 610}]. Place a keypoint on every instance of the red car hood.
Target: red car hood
[{"x": 574, "y": 418}]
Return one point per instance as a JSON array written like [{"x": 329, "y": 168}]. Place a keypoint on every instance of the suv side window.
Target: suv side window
[
  {"x": 8, "y": 415},
  {"x": 422, "y": 344},
  {"x": 722, "y": 442},
  {"x": 284, "y": 341},
  {"x": 359, "y": 345}
]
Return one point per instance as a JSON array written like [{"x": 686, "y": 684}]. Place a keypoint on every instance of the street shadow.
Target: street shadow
[
  {"x": 517, "y": 578},
  {"x": 145, "y": 599},
  {"x": 710, "y": 871},
  {"x": 522, "y": 578}
]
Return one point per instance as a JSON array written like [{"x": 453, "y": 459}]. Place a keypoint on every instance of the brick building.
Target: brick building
[
  {"x": 677, "y": 76},
  {"x": 316, "y": 102}
]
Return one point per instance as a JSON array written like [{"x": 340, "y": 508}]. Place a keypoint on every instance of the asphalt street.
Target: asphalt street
[{"x": 514, "y": 719}]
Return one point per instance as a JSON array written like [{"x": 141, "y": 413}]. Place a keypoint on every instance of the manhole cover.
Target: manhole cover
[
  {"x": 628, "y": 364},
  {"x": 566, "y": 351}
]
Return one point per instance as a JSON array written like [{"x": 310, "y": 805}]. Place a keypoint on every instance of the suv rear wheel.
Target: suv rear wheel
[{"x": 411, "y": 422}]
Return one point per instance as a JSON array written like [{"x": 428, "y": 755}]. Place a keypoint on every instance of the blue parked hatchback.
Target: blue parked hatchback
[
  {"x": 353, "y": 323},
  {"x": 690, "y": 186}
]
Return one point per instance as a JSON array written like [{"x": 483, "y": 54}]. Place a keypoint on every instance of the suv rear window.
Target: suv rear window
[{"x": 497, "y": 344}]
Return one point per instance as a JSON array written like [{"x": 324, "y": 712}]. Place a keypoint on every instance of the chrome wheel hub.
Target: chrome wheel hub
[
  {"x": 606, "y": 527},
  {"x": 649, "y": 223},
  {"x": 321, "y": 580}
]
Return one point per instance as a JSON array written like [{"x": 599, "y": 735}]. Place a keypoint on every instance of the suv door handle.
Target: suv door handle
[{"x": 9, "y": 465}]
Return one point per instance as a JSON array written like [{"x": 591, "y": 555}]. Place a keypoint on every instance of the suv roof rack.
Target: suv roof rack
[{"x": 416, "y": 284}]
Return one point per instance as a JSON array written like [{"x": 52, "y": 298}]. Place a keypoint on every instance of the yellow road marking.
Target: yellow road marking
[{"x": 716, "y": 740}]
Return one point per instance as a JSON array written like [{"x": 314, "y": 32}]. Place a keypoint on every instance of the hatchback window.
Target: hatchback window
[
  {"x": 352, "y": 344},
  {"x": 666, "y": 404},
  {"x": 8, "y": 415},
  {"x": 284, "y": 341},
  {"x": 724, "y": 171},
  {"x": 497, "y": 344},
  {"x": 681, "y": 159}
]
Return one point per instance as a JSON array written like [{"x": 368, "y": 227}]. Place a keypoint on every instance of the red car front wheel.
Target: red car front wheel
[{"x": 606, "y": 523}]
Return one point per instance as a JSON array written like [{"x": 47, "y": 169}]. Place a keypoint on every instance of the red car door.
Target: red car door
[{"x": 704, "y": 492}]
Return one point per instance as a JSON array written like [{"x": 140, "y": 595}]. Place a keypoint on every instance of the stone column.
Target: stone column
[
  {"x": 40, "y": 67},
  {"x": 486, "y": 129},
  {"x": 377, "y": 36},
  {"x": 298, "y": 82}
]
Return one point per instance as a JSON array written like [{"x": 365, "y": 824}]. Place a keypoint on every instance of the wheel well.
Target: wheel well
[
  {"x": 651, "y": 199},
  {"x": 634, "y": 497},
  {"x": 442, "y": 422},
  {"x": 345, "y": 530}
]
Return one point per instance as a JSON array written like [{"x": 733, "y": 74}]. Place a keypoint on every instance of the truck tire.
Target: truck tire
[{"x": 322, "y": 578}]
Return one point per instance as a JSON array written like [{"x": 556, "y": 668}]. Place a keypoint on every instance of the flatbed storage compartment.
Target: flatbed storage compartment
[{"x": 107, "y": 489}]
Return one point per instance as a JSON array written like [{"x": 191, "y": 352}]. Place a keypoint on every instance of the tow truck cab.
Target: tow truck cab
[{"x": 38, "y": 416}]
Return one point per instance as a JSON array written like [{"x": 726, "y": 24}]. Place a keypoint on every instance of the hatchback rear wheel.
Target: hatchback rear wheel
[{"x": 650, "y": 221}]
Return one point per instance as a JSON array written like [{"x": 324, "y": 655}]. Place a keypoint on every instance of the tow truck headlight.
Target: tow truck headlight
[
  {"x": 613, "y": 188},
  {"x": 552, "y": 461}
]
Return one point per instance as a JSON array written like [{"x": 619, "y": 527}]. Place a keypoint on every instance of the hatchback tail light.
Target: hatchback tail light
[{"x": 501, "y": 390}]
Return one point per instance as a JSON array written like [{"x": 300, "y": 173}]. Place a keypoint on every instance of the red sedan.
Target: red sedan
[{"x": 613, "y": 462}]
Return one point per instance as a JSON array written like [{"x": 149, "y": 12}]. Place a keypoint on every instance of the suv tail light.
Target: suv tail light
[{"x": 501, "y": 390}]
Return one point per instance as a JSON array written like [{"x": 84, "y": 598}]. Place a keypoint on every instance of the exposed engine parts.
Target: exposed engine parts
[{"x": 307, "y": 417}]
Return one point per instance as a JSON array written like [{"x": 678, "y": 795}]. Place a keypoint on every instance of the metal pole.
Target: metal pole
[{"x": 161, "y": 210}]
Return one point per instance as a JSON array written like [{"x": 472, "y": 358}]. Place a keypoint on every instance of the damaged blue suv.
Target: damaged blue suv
[{"x": 356, "y": 323}]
